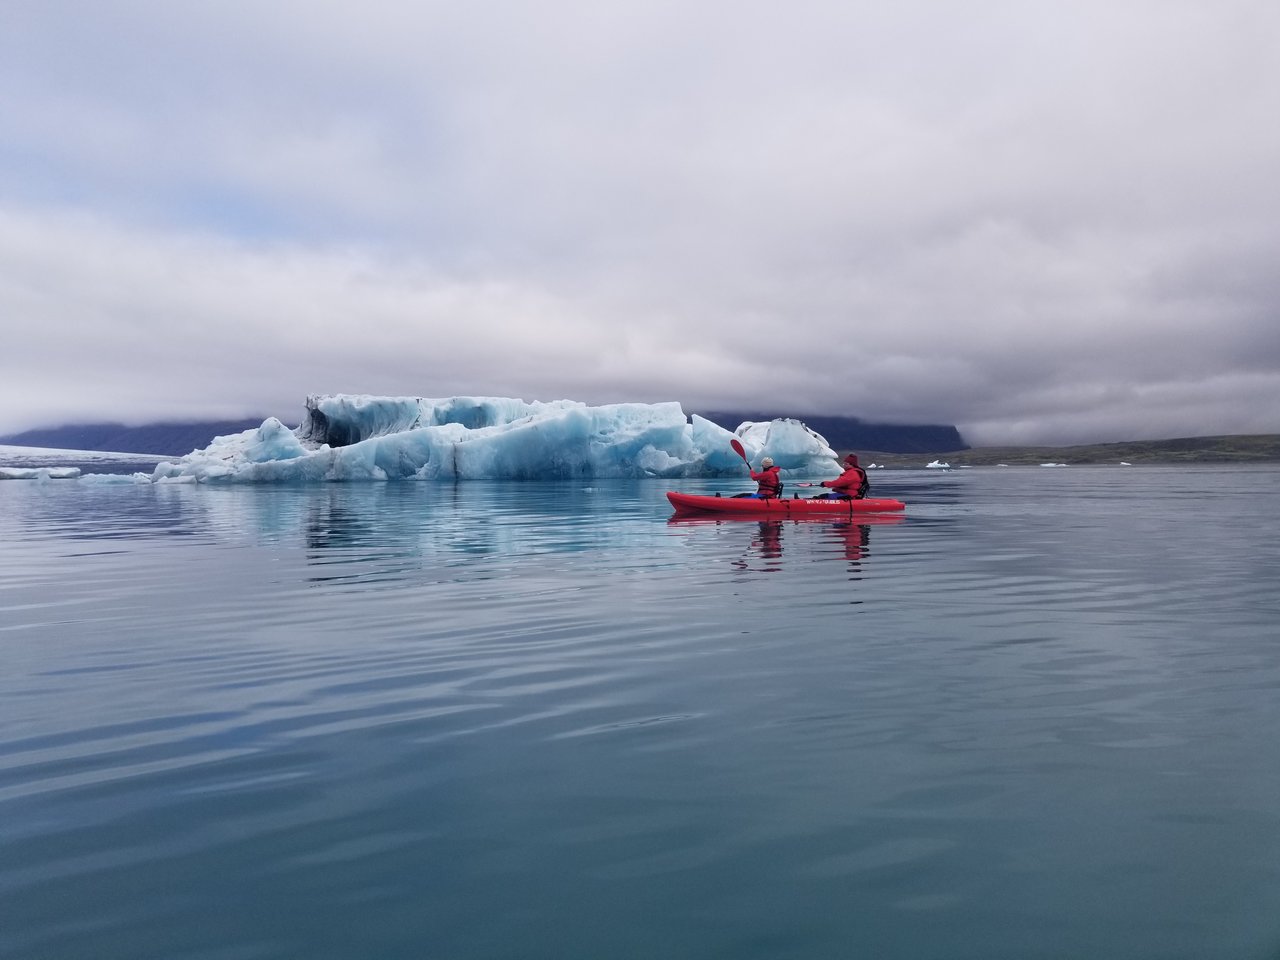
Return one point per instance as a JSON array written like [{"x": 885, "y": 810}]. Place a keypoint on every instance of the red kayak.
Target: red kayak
[{"x": 690, "y": 503}]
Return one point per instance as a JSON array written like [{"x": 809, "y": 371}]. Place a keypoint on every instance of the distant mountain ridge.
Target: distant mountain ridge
[
  {"x": 180, "y": 438},
  {"x": 167, "y": 439},
  {"x": 851, "y": 433}
]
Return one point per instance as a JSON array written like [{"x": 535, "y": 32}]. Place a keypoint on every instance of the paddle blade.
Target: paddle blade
[{"x": 737, "y": 448}]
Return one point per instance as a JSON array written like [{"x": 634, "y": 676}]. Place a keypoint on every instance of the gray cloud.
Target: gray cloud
[{"x": 1042, "y": 223}]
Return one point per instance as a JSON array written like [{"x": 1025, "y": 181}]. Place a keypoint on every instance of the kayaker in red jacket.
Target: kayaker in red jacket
[
  {"x": 852, "y": 483},
  {"x": 769, "y": 479}
]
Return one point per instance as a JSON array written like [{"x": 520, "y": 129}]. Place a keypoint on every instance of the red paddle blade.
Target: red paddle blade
[{"x": 737, "y": 448}]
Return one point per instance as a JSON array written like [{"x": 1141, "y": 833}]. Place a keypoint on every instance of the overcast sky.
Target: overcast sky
[{"x": 1042, "y": 221}]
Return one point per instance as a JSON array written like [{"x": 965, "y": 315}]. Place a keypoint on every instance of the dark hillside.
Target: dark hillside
[
  {"x": 168, "y": 439},
  {"x": 1254, "y": 448},
  {"x": 850, "y": 433}
]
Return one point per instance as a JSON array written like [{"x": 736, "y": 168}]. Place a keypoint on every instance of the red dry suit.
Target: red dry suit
[
  {"x": 769, "y": 480},
  {"x": 851, "y": 483}
]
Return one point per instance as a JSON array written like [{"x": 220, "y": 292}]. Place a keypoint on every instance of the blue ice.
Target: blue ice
[{"x": 353, "y": 438}]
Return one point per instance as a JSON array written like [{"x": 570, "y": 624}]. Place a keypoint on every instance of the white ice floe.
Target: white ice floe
[
  {"x": 116, "y": 479},
  {"x": 937, "y": 465},
  {"x": 347, "y": 437},
  {"x": 39, "y": 473},
  {"x": 12, "y": 455},
  {"x": 48, "y": 463}
]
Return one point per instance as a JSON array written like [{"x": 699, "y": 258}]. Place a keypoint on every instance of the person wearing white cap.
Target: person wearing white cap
[{"x": 769, "y": 479}]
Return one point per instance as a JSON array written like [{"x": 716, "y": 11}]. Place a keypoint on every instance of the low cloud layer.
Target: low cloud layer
[{"x": 1041, "y": 224}]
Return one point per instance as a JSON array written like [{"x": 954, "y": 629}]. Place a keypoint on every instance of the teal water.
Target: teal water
[{"x": 1037, "y": 717}]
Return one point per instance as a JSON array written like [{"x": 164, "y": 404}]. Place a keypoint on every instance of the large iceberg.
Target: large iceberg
[{"x": 346, "y": 437}]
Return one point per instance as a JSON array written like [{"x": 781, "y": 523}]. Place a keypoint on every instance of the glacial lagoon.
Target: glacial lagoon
[{"x": 1035, "y": 717}]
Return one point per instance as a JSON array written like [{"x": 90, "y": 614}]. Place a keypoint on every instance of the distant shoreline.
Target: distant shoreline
[{"x": 1249, "y": 448}]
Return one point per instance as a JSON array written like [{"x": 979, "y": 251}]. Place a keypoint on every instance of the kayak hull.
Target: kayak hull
[
  {"x": 843, "y": 520},
  {"x": 691, "y": 504}
]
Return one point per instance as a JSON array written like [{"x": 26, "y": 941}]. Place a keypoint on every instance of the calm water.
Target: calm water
[{"x": 1037, "y": 717}]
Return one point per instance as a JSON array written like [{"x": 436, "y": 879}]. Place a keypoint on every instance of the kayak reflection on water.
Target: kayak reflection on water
[
  {"x": 810, "y": 538},
  {"x": 769, "y": 543},
  {"x": 853, "y": 537}
]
